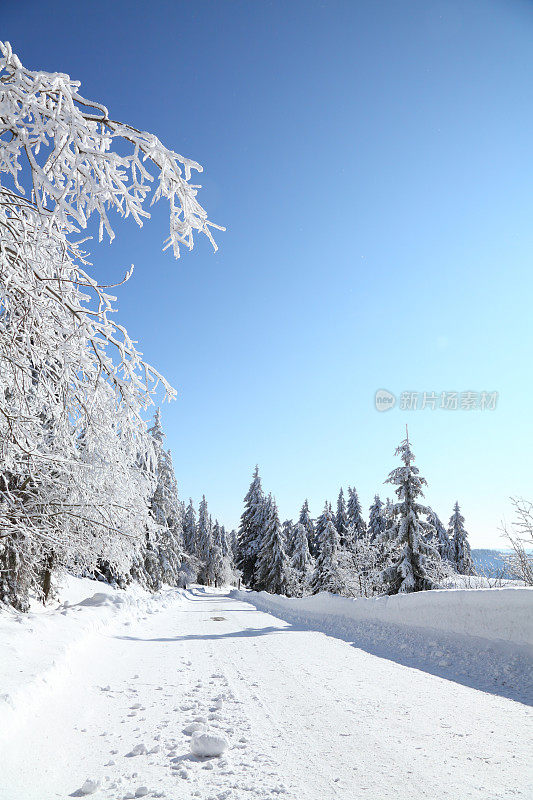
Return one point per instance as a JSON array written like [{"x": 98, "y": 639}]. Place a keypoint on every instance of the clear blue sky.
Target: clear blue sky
[{"x": 373, "y": 165}]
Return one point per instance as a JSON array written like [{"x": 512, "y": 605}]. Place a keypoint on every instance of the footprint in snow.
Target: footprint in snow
[
  {"x": 138, "y": 750},
  {"x": 193, "y": 727},
  {"x": 89, "y": 787}
]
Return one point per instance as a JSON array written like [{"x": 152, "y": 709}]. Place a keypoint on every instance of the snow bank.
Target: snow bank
[
  {"x": 41, "y": 648},
  {"x": 499, "y": 615}
]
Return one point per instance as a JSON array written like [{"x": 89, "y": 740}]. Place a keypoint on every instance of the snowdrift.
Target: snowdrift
[
  {"x": 40, "y": 649},
  {"x": 499, "y": 615}
]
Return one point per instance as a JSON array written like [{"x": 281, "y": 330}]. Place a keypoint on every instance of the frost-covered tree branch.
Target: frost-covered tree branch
[
  {"x": 72, "y": 149},
  {"x": 520, "y": 537},
  {"x": 75, "y": 485}
]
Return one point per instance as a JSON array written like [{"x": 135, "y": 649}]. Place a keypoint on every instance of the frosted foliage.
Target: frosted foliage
[
  {"x": 74, "y": 153},
  {"x": 441, "y": 540},
  {"x": 77, "y": 474}
]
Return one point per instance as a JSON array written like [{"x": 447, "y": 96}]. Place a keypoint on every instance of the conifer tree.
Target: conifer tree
[
  {"x": 287, "y": 530},
  {"x": 377, "y": 522},
  {"x": 251, "y": 529},
  {"x": 354, "y": 513},
  {"x": 224, "y": 543},
  {"x": 272, "y": 573},
  {"x": 233, "y": 543},
  {"x": 462, "y": 556},
  {"x": 204, "y": 544},
  {"x": 341, "y": 519},
  {"x": 189, "y": 528},
  {"x": 301, "y": 560},
  {"x": 320, "y": 526},
  {"x": 410, "y": 570},
  {"x": 440, "y": 539},
  {"x": 307, "y": 522},
  {"x": 165, "y": 508},
  {"x": 328, "y": 575}
]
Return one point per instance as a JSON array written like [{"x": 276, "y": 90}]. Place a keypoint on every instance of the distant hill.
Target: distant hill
[{"x": 488, "y": 562}]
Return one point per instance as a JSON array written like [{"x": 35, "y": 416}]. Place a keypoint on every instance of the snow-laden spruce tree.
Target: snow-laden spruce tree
[
  {"x": 204, "y": 544},
  {"x": 165, "y": 508},
  {"x": 355, "y": 514},
  {"x": 301, "y": 561},
  {"x": 251, "y": 529},
  {"x": 190, "y": 528},
  {"x": 440, "y": 538},
  {"x": 68, "y": 369},
  {"x": 272, "y": 571},
  {"x": 329, "y": 574},
  {"x": 411, "y": 570},
  {"x": 216, "y": 567},
  {"x": 341, "y": 518},
  {"x": 232, "y": 543},
  {"x": 462, "y": 556},
  {"x": 305, "y": 520},
  {"x": 377, "y": 522},
  {"x": 320, "y": 526},
  {"x": 287, "y": 532}
]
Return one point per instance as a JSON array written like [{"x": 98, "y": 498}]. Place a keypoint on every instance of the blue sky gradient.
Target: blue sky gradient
[{"x": 372, "y": 163}]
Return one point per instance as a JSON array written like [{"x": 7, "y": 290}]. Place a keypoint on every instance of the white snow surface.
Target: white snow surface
[
  {"x": 313, "y": 704},
  {"x": 501, "y": 615}
]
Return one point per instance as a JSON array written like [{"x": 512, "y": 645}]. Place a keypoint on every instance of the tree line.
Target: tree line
[{"x": 404, "y": 547}]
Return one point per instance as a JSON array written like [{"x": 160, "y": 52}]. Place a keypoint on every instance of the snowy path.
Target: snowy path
[{"x": 308, "y": 716}]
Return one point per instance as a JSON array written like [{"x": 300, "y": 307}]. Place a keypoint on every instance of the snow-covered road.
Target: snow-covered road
[{"x": 308, "y": 717}]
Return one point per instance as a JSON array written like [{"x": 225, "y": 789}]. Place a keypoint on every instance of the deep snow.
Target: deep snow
[{"x": 306, "y": 715}]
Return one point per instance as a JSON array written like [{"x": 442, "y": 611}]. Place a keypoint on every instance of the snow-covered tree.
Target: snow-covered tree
[
  {"x": 233, "y": 543},
  {"x": 67, "y": 369},
  {"x": 411, "y": 567},
  {"x": 329, "y": 575},
  {"x": 305, "y": 520},
  {"x": 165, "y": 508},
  {"x": 341, "y": 518},
  {"x": 251, "y": 529},
  {"x": 272, "y": 572},
  {"x": 189, "y": 528},
  {"x": 354, "y": 513},
  {"x": 440, "y": 538},
  {"x": 377, "y": 522},
  {"x": 366, "y": 561},
  {"x": 301, "y": 560},
  {"x": 520, "y": 536},
  {"x": 320, "y": 526},
  {"x": 462, "y": 556},
  {"x": 287, "y": 530},
  {"x": 204, "y": 532}
]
